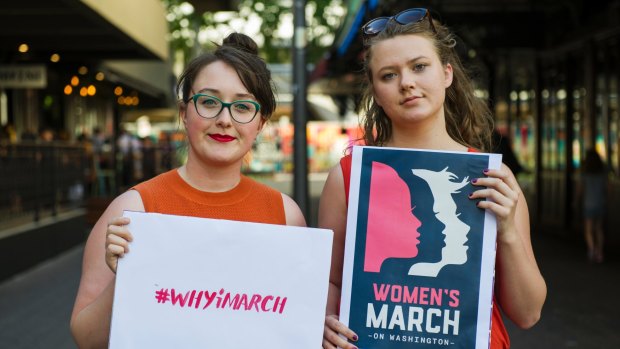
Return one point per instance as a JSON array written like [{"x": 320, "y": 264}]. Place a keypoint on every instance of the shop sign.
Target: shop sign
[{"x": 23, "y": 76}]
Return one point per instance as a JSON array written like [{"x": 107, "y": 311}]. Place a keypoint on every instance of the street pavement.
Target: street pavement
[
  {"x": 580, "y": 311},
  {"x": 35, "y": 306}
]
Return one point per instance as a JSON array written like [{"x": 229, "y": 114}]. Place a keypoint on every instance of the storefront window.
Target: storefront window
[
  {"x": 612, "y": 95},
  {"x": 327, "y": 142},
  {"x": 601, "y": 104},
  {"x": 579, "y": 95},
  {"x": 515, "y": 106},
  {"x": 614, "y": 120},
  {"x": 554, "y": 98},
  {"x": 578, "y": 109}
]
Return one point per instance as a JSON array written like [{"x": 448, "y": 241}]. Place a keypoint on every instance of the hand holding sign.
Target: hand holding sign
[{"x": 117, "y": 241}]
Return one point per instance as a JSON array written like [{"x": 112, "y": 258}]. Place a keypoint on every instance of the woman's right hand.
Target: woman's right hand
[
  {"x": 117, "y": 241},
  {"x": 333, "y": 330}
]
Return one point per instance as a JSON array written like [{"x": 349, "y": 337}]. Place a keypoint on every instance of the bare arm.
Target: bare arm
[
  {"x": 333, "y": 215},
  {"x": 519, "y": 285},
  {"x": 92, "y": 311},
  {"x": 293, "y": 214}
]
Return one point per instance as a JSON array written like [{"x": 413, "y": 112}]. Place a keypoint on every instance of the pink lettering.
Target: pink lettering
[
  {"x": 415, "y": 294},
  {"x": 225, "y": 300},
  {"x": 454, "y": 296},
  {"x": 219, "y": 298},
  {"x": 436, "y": 296},
  {"x": 254, "y": 302},
  {"x": 277, "y": 302},
  {"x": 397, "y": 293},
  {"x": 231, "y": 302},
  {"x": 263, "y": 305},
  {"x": 382, "y": 293},
  {"x": 411, "y": 297},
  {"x": 242, "y": 302},
  {"x": 178, "y": 297},
  {"x": 424, "y": 295},
  {"x": 210, "y": 297}
]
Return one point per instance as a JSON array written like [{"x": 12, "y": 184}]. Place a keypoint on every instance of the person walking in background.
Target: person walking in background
[
  {"x": 166, "y": 151},
  {"x": 419, "y": 96},
  {"x": 128, "y": 147},
  {"x": 593, "y": 192},
  {"x": 226, "y": 99},
  {"x": 149, "y": 158}
]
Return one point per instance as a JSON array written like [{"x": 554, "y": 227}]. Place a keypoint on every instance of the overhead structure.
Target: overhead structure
[{"x": 84, "y": 29}]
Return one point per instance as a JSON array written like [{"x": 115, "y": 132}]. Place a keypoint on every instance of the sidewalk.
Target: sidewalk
[
  {"x": 580, "y": 312},
  {"x": 582, "y": 304},
  {"x": 35, "y": 306}
]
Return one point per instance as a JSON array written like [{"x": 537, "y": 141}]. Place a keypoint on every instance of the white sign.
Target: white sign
[
  {"x": 205, "y": 283},
  {"x": 23, "y": 76}
]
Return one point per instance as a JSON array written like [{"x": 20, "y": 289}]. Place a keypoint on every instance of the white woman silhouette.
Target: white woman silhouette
[{"x": 454, "y": 252}]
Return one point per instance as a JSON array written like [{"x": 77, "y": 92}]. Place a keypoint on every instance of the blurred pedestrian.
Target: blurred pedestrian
[
  {"x": 126, "y": 147},
  {"x": 166, "y": 152},
  {"x": 47, "y": 135},
  {"x": 149, "y": 158},
  {"x": 28, "y": 135},
  {"x": 592, "y": 192}
]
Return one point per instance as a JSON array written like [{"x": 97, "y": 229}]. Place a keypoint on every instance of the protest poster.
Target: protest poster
[
  {"x": 192, "y": 282},
  {"x": 419, "y": 254}
]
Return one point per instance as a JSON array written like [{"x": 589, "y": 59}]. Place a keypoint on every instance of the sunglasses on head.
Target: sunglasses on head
[{"x": 412, "y": 15}]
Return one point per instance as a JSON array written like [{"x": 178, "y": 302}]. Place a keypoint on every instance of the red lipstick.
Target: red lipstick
[{"x": 222, "y": 138}]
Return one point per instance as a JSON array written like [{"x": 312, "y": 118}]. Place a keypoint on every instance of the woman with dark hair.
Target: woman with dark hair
[
  {"x": 418, "y": 95},
  {"x": 226, "y": 97}
]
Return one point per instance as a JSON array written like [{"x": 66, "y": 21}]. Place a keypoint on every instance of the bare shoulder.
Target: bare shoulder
[
  {"x": 128, "y": 201},
  {"x": 333, "y": 205},
  {"x": 335, "y": 180},
  {"x": 293, "y": 213}
]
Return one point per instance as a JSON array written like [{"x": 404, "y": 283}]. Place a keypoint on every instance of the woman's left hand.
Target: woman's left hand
[
  {"x": 519, "y": 285},
  {"x": 502, "y": 194}
]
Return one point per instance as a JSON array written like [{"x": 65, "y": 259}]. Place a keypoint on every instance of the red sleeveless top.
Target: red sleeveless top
[{"x": 499, "y": 335}]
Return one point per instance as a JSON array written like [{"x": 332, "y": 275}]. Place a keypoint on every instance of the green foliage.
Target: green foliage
[{"x": 322, "y": 20}]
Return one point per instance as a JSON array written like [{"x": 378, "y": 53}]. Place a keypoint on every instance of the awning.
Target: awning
[
  {"x": 154, "y": 78},
  {"x": 85, "y": 30}
]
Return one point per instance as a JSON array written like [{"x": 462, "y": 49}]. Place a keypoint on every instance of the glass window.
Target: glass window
[
  {"x": 554, "y": 109},
  {"x": 614, "y": 120}
]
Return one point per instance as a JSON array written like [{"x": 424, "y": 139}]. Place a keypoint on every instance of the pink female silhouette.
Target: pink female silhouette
[{"x": 392, "y": 229}]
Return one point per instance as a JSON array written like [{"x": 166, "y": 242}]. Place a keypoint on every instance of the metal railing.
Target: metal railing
[{"x": 41, "y": 179}]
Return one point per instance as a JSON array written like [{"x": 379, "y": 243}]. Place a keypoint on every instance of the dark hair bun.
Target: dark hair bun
[{"x": 241, "y": 41}]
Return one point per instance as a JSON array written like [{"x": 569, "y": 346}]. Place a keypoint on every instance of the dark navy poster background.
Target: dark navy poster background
[{"x": 394, "y": 271}]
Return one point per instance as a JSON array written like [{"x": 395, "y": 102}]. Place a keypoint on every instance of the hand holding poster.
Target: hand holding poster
[
  {"x": 205, "y": 283},
  {"x": 419, "y": 254}
]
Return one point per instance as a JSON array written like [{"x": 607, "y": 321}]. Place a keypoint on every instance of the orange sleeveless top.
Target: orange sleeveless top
[
  {"x": 499, "y": 335},
  {"x": 249, "y": 201}
]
